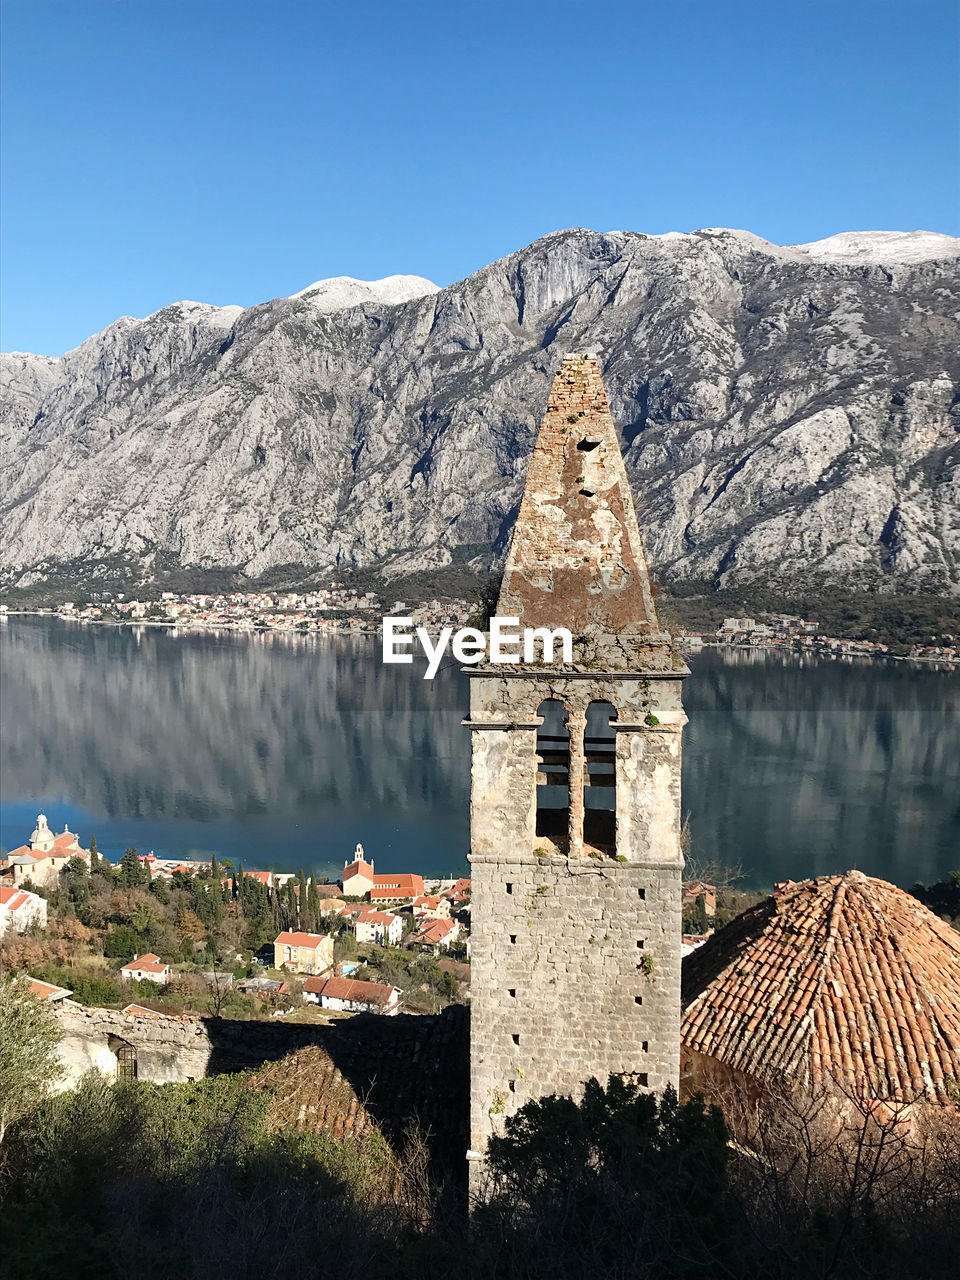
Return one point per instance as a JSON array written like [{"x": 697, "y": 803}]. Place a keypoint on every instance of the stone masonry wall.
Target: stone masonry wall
[
  {"x": 575, "y": 960},
  {"x": 575, "y": 973}
]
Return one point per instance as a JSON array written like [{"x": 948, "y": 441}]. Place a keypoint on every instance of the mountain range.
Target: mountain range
[{"x": 790, "y": 418}]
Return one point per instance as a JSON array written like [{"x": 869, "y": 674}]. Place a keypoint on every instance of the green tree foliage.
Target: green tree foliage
[
  {"x": 29, "y": 1063},
  {"x": 195, "y": 1180},
  {"x": 427, "y": 988},
  {"x": 943, "y": 898},
  {"x": 122, "y": 943},
  {"x": 206, "y": 899},
  {"x": 695, "y": 918},
  {"x": 160, "y": 890},
  {"x": 133, "y": 873},
  {"x": 97, "y": 990},
  {"x": 636, "y": 1175},
  {"x": 94, "y": 854},
  {"x": 186, "y": 1181},
  {"x": 75, "y": 883}
]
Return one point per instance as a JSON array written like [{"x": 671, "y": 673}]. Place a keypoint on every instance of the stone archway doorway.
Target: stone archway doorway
[{"x": 126, "y": 1057}]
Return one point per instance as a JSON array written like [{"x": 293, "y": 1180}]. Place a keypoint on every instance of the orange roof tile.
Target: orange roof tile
[
  {"x": 842, "y": 978},
  {"x": 13, "y": 899},
  {"x": 289, "y": 939},
  {"x": 369, "y": 916},
  {"x": 352, "y": 989},
  {"x": 436, "y": 930},
  {"x": 399, "y": 885},
  {"x": 148, "y": 963},
  {"x": 46, "y": 990}
]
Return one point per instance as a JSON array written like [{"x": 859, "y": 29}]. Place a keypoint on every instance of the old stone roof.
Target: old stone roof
[
  {"x": 842, "y": 979},
  {"x": 576, "y": 559},
  {"x": 406, "y": 1069}
]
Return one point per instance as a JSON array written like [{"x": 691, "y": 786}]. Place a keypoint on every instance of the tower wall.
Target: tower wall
[
  {"x": 575, "y": 959},
  {"x": 576, "y": 903}
]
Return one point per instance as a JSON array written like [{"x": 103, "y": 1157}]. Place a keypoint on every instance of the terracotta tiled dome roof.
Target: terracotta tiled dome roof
[{"x": 841, "y": 978}]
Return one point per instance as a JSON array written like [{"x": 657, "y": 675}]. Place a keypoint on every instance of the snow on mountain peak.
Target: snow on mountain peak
[
  {"x": 882, "y": 247},
  {"x": 341, "y": 292}
]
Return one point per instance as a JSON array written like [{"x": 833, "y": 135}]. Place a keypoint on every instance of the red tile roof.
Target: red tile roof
[
  {"x": 358, "y": 868},
  {"x": 399, "y": 885},
  {"x": 369, "y": 916},
  {"x": 24, "y": 851},
  {"x": 148, "y": 963},
  {"x": 842, "y": 978},
  {"x": 436, "y": 930},
  {"x": 46, "y": 990},
  {"x": 13, "y": 899},
  {"x": 351, "y": 989},
  {"x": 288, "y": 939}
]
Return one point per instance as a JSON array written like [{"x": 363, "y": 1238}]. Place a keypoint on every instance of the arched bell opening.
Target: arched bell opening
[
  {"x": 553, "y": 774},
  {"x": 600, "y": 778}
]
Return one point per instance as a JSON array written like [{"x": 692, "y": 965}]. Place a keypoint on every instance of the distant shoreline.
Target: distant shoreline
[{"x": 948, "y": 665}]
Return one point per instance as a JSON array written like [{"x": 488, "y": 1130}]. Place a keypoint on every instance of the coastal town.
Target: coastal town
[
  {"x": 339, "y": 609},
  {"x": 338, "y": 940},
  {"x": 332, "y": 609}
]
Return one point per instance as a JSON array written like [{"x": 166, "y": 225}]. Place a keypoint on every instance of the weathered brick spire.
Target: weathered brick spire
[{"x": 576, "y": 559}]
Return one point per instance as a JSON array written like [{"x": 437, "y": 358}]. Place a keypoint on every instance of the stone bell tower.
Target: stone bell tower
[{"x": 575, "y": 799}]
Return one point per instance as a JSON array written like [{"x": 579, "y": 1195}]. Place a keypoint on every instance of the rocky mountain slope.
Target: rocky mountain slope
[{"x": 789, "y": 417}]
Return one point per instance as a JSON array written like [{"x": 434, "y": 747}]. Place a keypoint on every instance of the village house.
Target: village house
[
  {"x": 436, "y": 935},
  {"x": 431, "y": 907},
  {"x": 691, "y": 892},
  {"x": 334, "y": 906},
  {"x": 303, "y": 952},
  {"x": 148, "y": 967},
  {"x": 20, "y": 909},
  {"x": 42, "y": 860},
  {"x": 350, "y": 995},
  {"x": 382, "y": 927}
]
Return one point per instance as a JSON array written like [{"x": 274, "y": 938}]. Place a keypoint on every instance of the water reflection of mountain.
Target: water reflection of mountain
[
  {"x": 804, "y": 767},
  {"x": 791, "y": 768},
  {"x": 146, "y": 724}
]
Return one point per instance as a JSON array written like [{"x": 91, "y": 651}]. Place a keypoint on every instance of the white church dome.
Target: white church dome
[{"x": 42, "y": 838}]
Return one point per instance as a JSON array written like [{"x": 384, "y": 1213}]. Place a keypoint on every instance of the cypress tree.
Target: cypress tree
[
  {"x": 302, "y": 899},
  {"x": 132, "y": 874},
  {"x": 94, "y": 854}
]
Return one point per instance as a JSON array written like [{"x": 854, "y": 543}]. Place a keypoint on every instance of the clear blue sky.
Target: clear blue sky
[{"x": 231, "y": 151}]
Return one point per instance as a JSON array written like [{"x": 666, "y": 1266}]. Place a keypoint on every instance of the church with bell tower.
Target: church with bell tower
[{"x": 575, "y": 792}]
